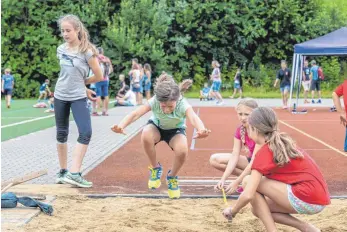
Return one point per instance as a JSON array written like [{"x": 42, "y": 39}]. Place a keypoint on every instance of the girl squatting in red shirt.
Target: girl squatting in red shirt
[{"x": 284, "y": 179}]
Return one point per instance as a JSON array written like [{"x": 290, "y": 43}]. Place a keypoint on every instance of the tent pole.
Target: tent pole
[
  {"x": 299, "y": 71},
  {"x": 292, "y": 81},
  {"x": 300, "y": 79},
  {"x": 297, "y": 66}
]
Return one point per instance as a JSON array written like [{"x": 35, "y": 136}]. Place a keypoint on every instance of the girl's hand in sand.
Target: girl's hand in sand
[
  {"x": 343, "y": 119},
  {"x": 228, "y": 214},
  {"x": 219, "y": 185},
  {"x": 231, "y": 188},
  {"x": 202, "y": 134},
  {"x": 117, "y": 129}
]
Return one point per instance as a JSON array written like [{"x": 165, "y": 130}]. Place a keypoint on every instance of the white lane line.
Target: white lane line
[
  {"x": 32, "y": 120},
  {"x": 314, "y": 138},
  {"x": 27, "y": 121}
]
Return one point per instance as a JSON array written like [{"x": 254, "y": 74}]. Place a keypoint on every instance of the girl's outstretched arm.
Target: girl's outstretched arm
[
  {"x": 202, "y": 132},
  {"x": 246, "y": 196},
  {"x": 233, "y": 186},
  {"x": 130, "y": 118},
  {"x": 234, "y": 158}
]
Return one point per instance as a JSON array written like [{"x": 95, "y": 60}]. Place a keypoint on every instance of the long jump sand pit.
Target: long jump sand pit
[{"x": 74, "y": 212}]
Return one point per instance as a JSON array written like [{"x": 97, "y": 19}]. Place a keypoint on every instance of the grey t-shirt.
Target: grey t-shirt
[{"x": 74, "y": 71}]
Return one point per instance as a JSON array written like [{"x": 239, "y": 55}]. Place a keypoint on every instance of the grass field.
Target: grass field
[{"x": 23, "y": 110}]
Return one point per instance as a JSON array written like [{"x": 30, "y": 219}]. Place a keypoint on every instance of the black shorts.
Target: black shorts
[
  {"x": 167, "y": 135},
  {"x": 315, "y": 85},
  {"x": 8, "y": 92}
]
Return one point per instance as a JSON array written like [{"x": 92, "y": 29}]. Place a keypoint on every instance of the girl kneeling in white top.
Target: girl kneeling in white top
[{"x": 129, "y": 98}]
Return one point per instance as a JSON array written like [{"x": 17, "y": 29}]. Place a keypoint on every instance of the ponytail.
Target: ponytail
[
  {"x": 185, "y": 85},
  {"x": 283, "y": 148}
]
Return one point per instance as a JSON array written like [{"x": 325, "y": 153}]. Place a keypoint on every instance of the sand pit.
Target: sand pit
[{"x": 77, "y": 213}]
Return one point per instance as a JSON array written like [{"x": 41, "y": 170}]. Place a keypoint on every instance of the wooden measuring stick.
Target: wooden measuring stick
[{"x": 23, "y": 179}]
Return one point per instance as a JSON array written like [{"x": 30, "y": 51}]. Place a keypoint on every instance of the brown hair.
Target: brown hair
[
  {"x": 253, "y": 105},
  {"x": 147, "y": 67},
  {"x": 83, "y": 35},
  {"x": 166, "y": 89},
  {"x": 281, "y": 144}
]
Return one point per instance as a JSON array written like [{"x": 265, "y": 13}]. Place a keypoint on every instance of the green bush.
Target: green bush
[
  {"x": 25, "y": 88},
  {"x": 177, "y": 36}
]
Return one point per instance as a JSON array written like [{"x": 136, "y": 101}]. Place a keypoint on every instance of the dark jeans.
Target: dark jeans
[{"x": 81, "y": 115}]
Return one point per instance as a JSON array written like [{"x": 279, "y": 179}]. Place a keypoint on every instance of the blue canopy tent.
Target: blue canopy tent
[{"x": 332, "y": 44}]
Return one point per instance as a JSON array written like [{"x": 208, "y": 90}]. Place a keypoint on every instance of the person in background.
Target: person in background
[
  {"x": 7, "y": 86},
  {"x": 148, "y": 81},
  {"x": 284, "y": 76},
  {"x": 237, "y": 83},
  {"x": 128, "y": 99},
  {"x": 315, "y": 81},
  {"x": 216, "y": 82},
  {"x": 122, "y": 85},
  {"x": 306, "y": 80},
  {"x": 341, "y": 91},
  {"x": 102, "y": 86},
  {"x": 205, "y": 93},
  {"x": 44, "y": 91}
]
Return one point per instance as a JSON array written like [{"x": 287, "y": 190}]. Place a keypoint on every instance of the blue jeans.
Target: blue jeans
[
  {"x": 346, "y": 141},
  {"x": 102, "y": 88}
]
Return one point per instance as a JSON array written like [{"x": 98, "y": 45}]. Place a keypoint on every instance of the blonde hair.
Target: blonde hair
[
  {"x": 147, "y": 67},
  {"x": 243, "y": 130},
  {"x": 215, "y": 64},
  {"x": 83, "y": 34},
  {"x": 7, "y": 70},
  {"x": 166, "y": 89},
  {"x": 281, "y": 144},
  {"x": 122, "y": 76}
]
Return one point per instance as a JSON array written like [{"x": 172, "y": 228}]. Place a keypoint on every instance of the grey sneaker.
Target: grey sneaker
[
  {"x": 77, "y": 180},
  {"x": 60, "y": 176}
]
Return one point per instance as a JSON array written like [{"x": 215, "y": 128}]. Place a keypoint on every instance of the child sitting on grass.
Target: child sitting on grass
[
  {"x": 205, "y": 93},
  {"x": 128, "y": 99}
]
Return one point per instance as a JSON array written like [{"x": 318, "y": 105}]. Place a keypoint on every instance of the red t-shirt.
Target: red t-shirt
[
  {"x": 303, "y": 175},
  {"x": 341, "y": 90}
]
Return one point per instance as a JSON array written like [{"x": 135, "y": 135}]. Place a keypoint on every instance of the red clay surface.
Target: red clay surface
[{"x": 126, "y": 172}]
